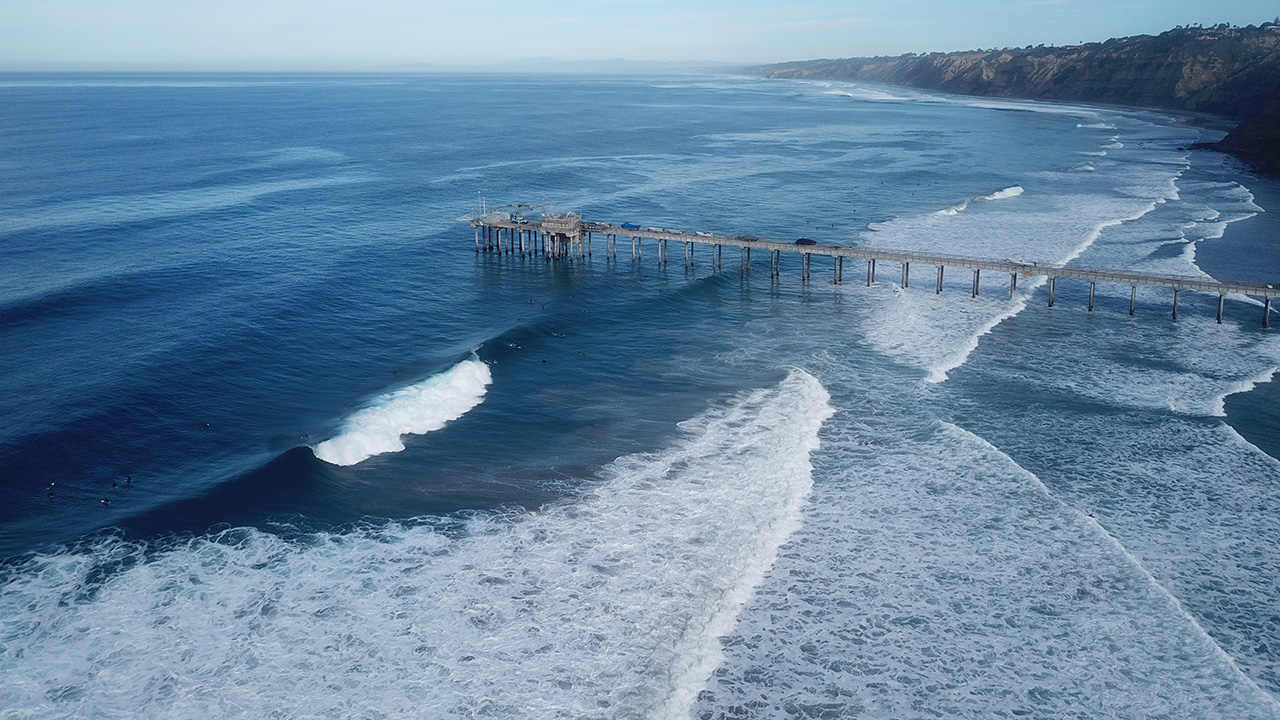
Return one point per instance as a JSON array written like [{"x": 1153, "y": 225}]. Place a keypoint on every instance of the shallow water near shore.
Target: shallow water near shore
[{"x": 355, "y": 467}]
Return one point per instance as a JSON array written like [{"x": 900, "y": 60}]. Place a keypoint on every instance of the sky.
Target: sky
[{"x": 317, "y": 35}]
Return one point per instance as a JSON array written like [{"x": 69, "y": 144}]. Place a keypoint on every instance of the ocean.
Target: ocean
[{"x": 276, "y": 441}]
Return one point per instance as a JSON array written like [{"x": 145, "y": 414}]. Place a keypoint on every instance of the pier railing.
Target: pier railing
[{"x": 568, "y": 236}]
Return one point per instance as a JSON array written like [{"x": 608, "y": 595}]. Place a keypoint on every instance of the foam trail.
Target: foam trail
[
  {"x": 938, "y": 371},
  {"x": 610, "y": 605},
  {"x": 1173, "y": 602},
  {"x": 416, "y": 410}
]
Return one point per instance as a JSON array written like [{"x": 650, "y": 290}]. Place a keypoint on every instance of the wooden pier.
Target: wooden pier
[{"x": 567, "y": 236}]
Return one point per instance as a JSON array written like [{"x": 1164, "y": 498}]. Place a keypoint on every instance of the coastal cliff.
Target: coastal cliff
[
  {"x": 1228, "y": 72},
  {"x": 1257, "y": 139}
]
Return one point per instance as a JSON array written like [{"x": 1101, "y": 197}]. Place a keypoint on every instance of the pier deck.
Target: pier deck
[{"x": 568, "y": 235}]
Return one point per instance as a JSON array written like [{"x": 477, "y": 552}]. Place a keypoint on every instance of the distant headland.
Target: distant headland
[{"x": 1226, "y": 72}]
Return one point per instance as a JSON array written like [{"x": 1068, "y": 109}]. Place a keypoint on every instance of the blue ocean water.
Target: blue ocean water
[{"x": 609, "y": 488}]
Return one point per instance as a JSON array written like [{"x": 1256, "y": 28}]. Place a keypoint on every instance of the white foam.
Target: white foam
[
  {"x": 937, "y": 371},
  {"x": 954, "y": 209},
  {"x": 938, "y": 334},
  {"x": 866, "y": 93},
  {"x": 609, "y": 605},
  {"x": 415, "y": 410},
  {"x": 1005, "y": 194},
  {"x": 935, "y": 572}
]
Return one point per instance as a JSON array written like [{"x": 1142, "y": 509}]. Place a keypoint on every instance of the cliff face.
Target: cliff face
[
  {"x": 1230, "y": 72},
  {"x": 1257, "y": 139}
]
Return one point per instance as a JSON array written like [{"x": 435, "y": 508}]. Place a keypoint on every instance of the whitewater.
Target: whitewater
[{"x": 371, "y": 472}]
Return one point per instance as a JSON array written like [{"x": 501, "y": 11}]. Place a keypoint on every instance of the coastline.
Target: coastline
[{"x": 1251, "y": 413}]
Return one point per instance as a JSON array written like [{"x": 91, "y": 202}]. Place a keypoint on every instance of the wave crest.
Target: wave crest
[
  {"x": 1005, "y": 194},
  {"x": 414, "y": 410}
]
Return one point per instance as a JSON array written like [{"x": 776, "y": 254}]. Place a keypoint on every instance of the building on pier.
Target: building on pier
[{"x": 564, "y": 233}]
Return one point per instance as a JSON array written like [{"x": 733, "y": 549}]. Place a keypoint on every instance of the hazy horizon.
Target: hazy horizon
[{"x": 397, "y": 35}]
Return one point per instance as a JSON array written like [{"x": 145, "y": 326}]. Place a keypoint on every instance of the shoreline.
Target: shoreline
[{"x": 1253, "y": 412}]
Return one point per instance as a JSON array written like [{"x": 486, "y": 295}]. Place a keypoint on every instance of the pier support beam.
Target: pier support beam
[
  {"x": 1175, "y": 302},
  {"x": 1266, "y": 312},
  {"x": 1091, "y": 284},
  {"x": 1133, "y": 297},
  {"x": 1053, "y": 281},
  {"x": 906, "y": 274},
  {"x": 1222, "y": 298},
  {"x": 1013, "y": 284},
  {"x": 939, "y": 291},
  {"x": 976, "y": 274},
  {"x": 871, "y": 271}
]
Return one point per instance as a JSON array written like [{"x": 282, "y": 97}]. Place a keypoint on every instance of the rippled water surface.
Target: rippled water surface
[{"x": 276, "y": 441}]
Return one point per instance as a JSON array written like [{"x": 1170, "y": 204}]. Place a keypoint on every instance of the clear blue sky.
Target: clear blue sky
[{"x": 337, "y": 35}]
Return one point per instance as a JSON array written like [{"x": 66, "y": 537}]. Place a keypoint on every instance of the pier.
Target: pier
[{"x": 567, "y": 236}]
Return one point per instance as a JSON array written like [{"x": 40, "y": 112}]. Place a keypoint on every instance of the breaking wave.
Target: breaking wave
[
  {"x": 611, "y": 605},
  {"x": 415, "y": 410}
]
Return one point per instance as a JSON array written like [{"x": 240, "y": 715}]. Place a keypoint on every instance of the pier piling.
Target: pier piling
[{"x": 567, "y": 236}]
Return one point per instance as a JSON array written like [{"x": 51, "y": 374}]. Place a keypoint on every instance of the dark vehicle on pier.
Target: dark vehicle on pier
[
  {"x": 748, "y": 238},
  {"x": 806, "y": 241},
  {"x": 630, "y": 226}
]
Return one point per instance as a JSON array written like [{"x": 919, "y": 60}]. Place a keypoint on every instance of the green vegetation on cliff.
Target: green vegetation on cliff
[{"x": 1230, "y": 72}]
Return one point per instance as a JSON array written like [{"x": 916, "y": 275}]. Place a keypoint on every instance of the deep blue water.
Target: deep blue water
[{"x": 649, "y": 491}]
